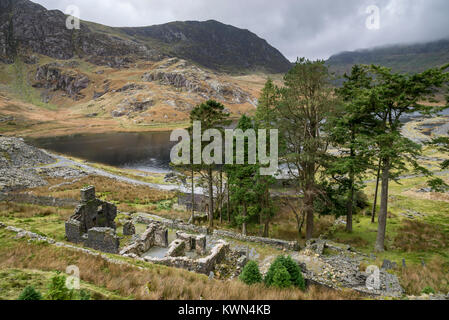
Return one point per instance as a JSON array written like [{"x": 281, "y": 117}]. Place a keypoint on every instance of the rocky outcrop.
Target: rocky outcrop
[
  {"x": 128, "y": 106},
  {"x": 27, "y": 26},
  {"x": 52, "y": 77},
  {"x": 184, "y": 77}
]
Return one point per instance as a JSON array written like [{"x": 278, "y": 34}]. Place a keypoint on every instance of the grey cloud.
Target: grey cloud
[{"x": 310, "y": 28}]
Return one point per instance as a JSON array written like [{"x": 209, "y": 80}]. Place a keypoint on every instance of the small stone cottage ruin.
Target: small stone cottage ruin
[
  {"x": 201, "y": 202},
  {"x": 93, "y": 224},
  {"x": 156, "y": 235}
]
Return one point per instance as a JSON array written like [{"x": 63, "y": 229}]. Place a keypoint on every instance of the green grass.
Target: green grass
[
  {"x": 17, "y": 76},
  {"x": 364, "y": 236},
  {"x": 13, "y": 281}
]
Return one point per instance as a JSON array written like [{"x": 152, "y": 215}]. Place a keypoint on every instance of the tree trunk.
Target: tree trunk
[
  {"x": 193, "y": 196},
  {"x": 244, "y": 232},
  {"x": 373, "y": 214},
  {"x": 266, "y": 230},
  {"x": 350, "y": 209},
  {"x": 309, "y": 212},
  {"x": 350, "y": 204},
  {"x": 221, "y": 196},
  {"x": 211, "y": 198},
  {"x": 228, "y": 205},
  {"x": 381, "y": 231}
]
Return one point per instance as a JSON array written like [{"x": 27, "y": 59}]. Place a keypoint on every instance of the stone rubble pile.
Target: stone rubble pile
[
  {"x": 17, "y": 162},
  {"x": 338, "y": 266}
]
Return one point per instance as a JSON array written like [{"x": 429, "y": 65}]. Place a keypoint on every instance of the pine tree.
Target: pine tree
[
  {"x": 392, "y": 96},
  {"x": 251, "y": 274},
  {"x": 212, "y": 115},
  {"x": 281, "y": 278},
  {"x": 348, "y": 129},
  {"x": 306, "y": 101},
  {"x": 30, "y": 293}
]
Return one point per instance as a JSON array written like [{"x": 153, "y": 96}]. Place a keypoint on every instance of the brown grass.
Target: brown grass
[
  {"x": 434, "y": 275},
  {"x": 354, "y": 241},
  {"x": 419, "y": 236},
  {"x": 109, "y": 189},
  {"x": 153, "y": 283},
  {"x": 18, "y": 210}
]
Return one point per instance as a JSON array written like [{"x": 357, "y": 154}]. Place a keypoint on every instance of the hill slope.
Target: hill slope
[
  {"x": 401, "y": 58},
  {"x": 26, "y": 26}
]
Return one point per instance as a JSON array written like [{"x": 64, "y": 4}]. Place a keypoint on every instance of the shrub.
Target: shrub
[
  {"x": 272, "y": 270},
  {"x": 281, "y": 278},
  {"x": 57, "y": 290},
  {"x": 29, "y": 293},
  {"x": 84, "y": 295},
  {"x": 251, "y": 274},
  {"x": 428, "y": 290},
  {"x": 294, "y": 271}
]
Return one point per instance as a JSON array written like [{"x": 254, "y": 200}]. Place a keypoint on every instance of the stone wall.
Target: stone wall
[
  {"x": 177, "y": 248},
  {"x": 179, "y": 225},
  {"x": 172, "y": 224},
  {"x": 280, "y": 244},
  {"x": 193, "y": 243},
  {"x": 156, "y": 235},
  {"x": 201, "y": 202},
  {"x": 203, "y": 265},
  {"x": 103, "y": 239}
]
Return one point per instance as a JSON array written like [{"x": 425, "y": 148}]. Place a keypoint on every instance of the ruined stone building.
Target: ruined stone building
[
  {"x": 93, "y": 224},
  {"x": 201, "y": 202}
]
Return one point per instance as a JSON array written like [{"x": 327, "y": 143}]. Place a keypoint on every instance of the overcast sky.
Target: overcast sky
[{"x": 309, "y": 28}]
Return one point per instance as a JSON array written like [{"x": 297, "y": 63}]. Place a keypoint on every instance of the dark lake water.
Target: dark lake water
[{"x": 149, "y": 151}]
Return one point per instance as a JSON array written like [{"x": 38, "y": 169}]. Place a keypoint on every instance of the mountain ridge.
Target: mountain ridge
[
  {"x": 406, "y": 58},
  {"x": 27, "y": 26}
]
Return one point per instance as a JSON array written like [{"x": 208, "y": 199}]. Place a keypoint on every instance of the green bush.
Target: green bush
[
  {"x": 294, "y": 271},
  {"x": 272, "y": 270},
  {"x": 57, "y": 290},
  {"x": 84, "y": 295},
  {"x": 29, "y": 293},
  {"x": 251, "y": 274},
  {"x": 281, "y": 278},
  {"x": 428, "y": 290}
]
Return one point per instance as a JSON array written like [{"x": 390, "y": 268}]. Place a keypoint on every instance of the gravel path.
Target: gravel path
[{"x": 66, "y": 162}]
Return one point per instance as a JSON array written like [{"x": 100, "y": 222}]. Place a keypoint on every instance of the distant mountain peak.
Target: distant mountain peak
[{"x": 408, "y": 58}]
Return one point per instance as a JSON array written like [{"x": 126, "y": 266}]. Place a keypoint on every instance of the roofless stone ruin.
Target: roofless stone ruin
[{"x": 93, "y": 224}]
